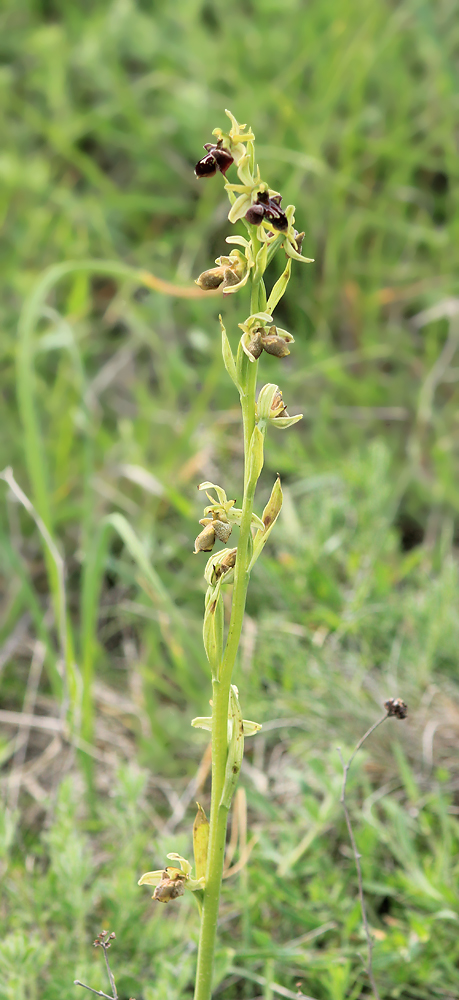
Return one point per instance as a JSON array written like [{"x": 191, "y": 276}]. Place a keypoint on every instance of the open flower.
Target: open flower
[
  {"x": 223, "y": 514},
  {"x": 172, "y": 882},
  {"x": 272, "y": 409},
  {"x": 254, "y": 196},
  {"x": 267, "y": 208},
  {"x": 216, "y": 158}
]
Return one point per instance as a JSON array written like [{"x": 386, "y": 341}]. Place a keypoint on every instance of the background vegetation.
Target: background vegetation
[{"x": 105, "y": 107}]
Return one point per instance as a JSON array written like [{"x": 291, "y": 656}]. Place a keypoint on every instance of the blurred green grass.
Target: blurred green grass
[{"x": 105, "y": 108}]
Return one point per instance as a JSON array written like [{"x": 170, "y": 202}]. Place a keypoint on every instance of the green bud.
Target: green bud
[
  {"x": 225, "y": 565},
  {"x": 279, "y": 288},
  {"x": 270, "y": 515},
  {"x": 235, "y": 749},
  {"x": 273, "y": 507},
  {"x": 228, "y": 357},
  {"x": 256, "y": 456},
  {"x": 212, "y": 630},
  {"x": 220, "y": 565},
  {"x": 260, "y": 264},
  {"x": 200, "y": 841}
]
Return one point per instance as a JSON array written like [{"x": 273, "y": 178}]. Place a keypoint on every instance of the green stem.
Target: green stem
[{"x": 221, "y": 688}]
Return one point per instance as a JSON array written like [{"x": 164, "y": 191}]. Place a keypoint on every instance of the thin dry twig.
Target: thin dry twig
[
  {"x": 99, "y": 993},
  {"x": 103, "y": 940},
  {"x": 394, "y": 707}
]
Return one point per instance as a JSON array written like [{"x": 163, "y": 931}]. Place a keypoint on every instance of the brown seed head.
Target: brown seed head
[
  {"x": 205, "y": 540},
  {"x": 276, "y": 346},
  {"x": 396, "y": 707}
]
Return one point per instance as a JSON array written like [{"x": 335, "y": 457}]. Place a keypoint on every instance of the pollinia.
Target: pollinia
[{"x": 270, "y": 229}]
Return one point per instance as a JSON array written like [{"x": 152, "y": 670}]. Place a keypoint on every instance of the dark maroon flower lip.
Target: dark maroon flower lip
[
  {"x": 269, "y": 209},
  {"x": 217, "y": 158},
  {"x": 206, "y": 167}
]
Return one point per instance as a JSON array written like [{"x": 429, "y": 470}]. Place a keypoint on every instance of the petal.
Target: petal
[
  {"x": 151, "y": 878},
  {"x": 291, "y": 252},
  {"x": 218, "y": 489},
  {"x": 229, "y": 289},
  {"x": 285, "y": 334},
  {"x": 245, "y": 341},
  {"x": 184, "y": 864},
  {"x": 239, "y": 240},
  {"x": 244, "y": 188},
  {"x": 283, "y": 422},
  {"x": 251, "y": 728},
  {"x": 202, "y": 722},
  {"x": 238, "y": 210},
  {"x": 196, "y": 883},
  {"x": 244, "y": 173}
]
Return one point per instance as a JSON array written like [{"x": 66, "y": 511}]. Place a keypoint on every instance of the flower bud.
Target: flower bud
[
  {"x": 200, "y": 841},
  {"x": 226, "y": 564}
]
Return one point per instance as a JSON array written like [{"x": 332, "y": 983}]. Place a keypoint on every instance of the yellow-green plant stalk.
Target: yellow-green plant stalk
[{"x": 270, "y": 229}]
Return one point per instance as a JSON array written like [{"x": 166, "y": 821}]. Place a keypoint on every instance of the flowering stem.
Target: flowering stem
[
  {"x": 221, "y": 689},
  {"x": 269, "y": 229}
]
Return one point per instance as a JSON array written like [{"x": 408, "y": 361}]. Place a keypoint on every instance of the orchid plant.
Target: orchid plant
[{"x": 269, "y": 230}]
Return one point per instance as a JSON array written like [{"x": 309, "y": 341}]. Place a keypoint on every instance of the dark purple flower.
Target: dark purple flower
[{"x": 217, "y": 158}]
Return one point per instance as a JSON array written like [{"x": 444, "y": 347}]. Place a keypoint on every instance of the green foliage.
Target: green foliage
[{"x": 105, "y": 110}]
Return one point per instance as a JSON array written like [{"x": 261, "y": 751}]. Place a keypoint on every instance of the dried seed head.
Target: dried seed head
[
  {"x": 396, "y": 707},
  {"x": 169, "y": 888},
  {"x": 212, "y": 278},
  {"x": 205, "y": 540},
  {"x": 275, "y": 345},
  {"x": 255, "y": 346},
  {"x": 222, "y": 529}
]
